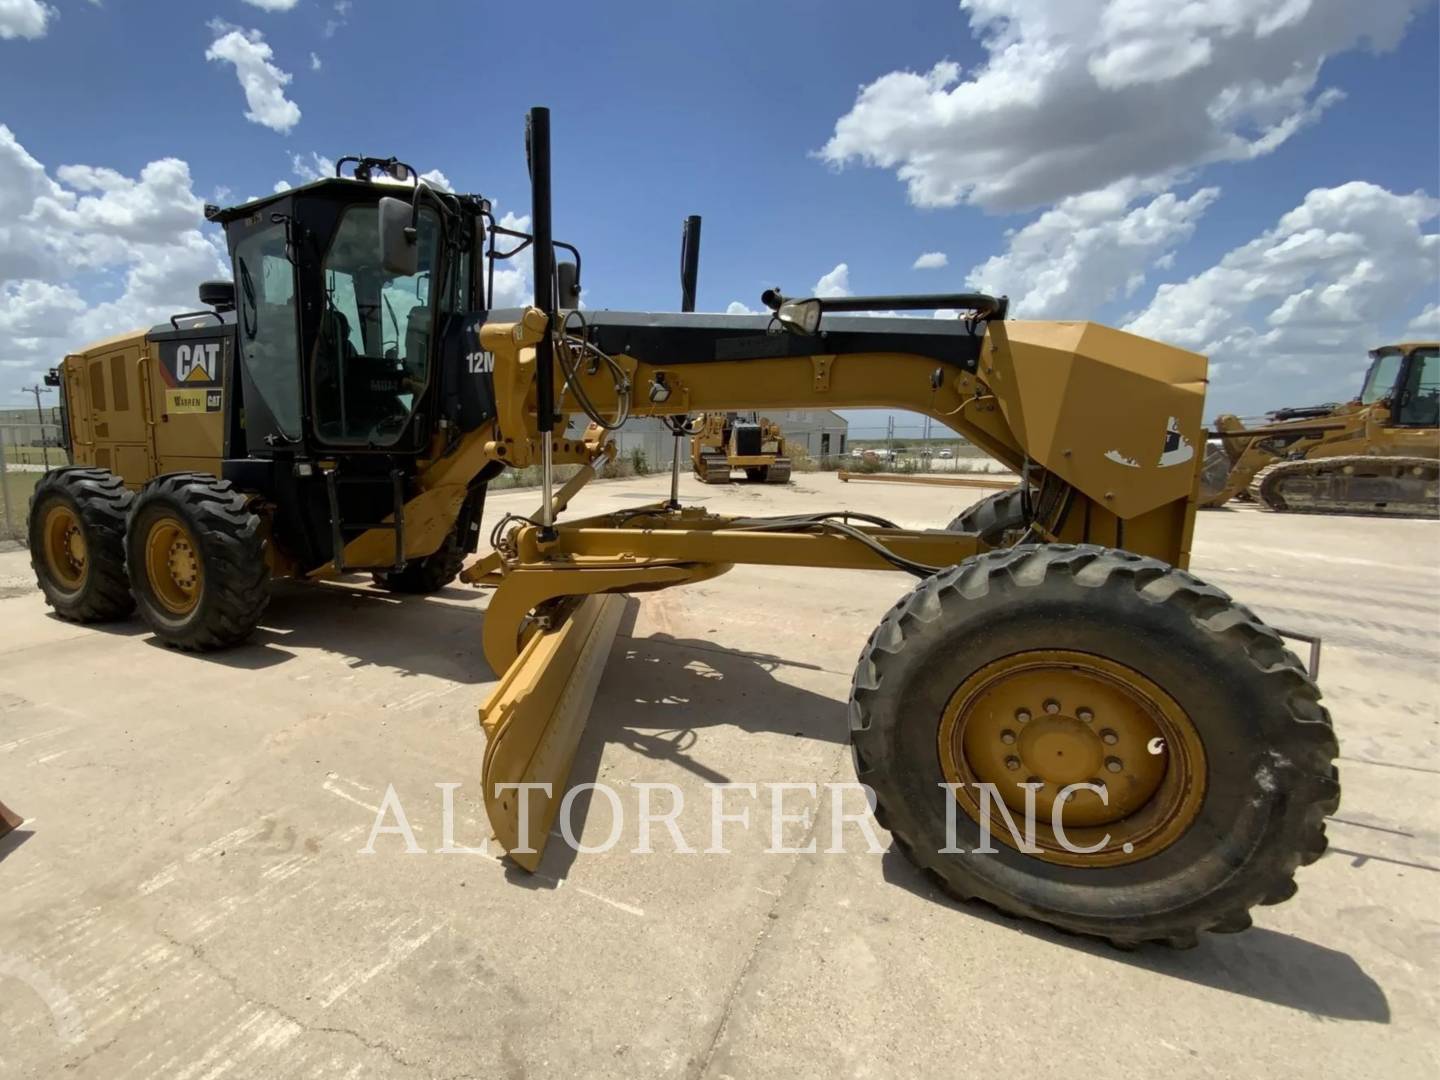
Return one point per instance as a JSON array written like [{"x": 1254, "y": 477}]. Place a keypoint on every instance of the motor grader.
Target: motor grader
[
  {"x": 1377, "y": 454},
  {"x": 343, "y": 407},
  {"x": 721, "y": 443}
]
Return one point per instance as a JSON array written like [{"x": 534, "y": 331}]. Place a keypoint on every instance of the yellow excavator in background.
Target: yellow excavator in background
[
  {"x": 342, "y": 405},
  {"x": 724, "y": 442},
  {"x": 1377, "y": 454}
]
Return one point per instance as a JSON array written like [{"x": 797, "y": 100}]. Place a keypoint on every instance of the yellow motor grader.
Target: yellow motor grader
[
  {"x": 342, "y": 406},
  {"x": 723, "y": 442},
  {"x": 1377, "y": 454}
]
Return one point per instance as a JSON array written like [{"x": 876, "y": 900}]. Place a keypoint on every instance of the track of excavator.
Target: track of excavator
[{"x": 1386, "y": 486}]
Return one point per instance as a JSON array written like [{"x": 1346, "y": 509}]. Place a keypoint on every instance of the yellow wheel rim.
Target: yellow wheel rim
[
  {"x": 172, "y": 566},
  {"x": 65, "y": 553},
  {"x": 1058, "y": 718}
]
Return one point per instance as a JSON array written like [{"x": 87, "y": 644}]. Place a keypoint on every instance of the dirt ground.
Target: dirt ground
[{"x": 187, "y": 897}]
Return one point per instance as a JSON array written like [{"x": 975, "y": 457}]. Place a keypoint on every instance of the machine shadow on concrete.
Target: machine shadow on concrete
[
  {"x": 1267, "y": 965},
  {"x": 660, "y": 692},
  {"x": 413, "y": 635}
]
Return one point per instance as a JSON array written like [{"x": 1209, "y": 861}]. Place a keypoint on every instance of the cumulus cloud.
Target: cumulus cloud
[
  {"x": 1087, "y": 250},
  {"x": 1301, "y": 303},
  {"x": 835, "y": 283},
  {"x": 931, "y": 260},
  {"x": 737, "y": 308},
  {"x": 273, "y": 5},
  {"x": 88, "y": 252},
  {"x": 264, "y": 83},
  {"x": 315, "y": 64},
  {"x": 512, "y": 278},
  {"x": 1073, "y": 97},
  {"x": 25, "y": 19},
  {"x": 1426, "y": 325}
]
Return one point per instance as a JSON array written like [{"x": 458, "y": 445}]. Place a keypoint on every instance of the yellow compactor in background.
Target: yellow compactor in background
[
  {"x": 725, "y": 442},
  {"x": 342, "y": 405}
]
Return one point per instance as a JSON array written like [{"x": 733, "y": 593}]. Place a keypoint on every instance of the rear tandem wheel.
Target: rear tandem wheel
[
  {"x": 196, "y": 554},
  {"x": 77, "y": 543},
  {"x": 1025, "y": 666}
]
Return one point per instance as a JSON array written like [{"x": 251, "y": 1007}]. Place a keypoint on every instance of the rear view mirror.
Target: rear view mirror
[
  {"x": 399, "y": 252},
  {"x": 567, "y": 292}
]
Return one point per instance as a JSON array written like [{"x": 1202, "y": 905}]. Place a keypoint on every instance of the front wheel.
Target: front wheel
[
  {"x": 1180, "y": 746},
  {"x": 196, "y": 552}
]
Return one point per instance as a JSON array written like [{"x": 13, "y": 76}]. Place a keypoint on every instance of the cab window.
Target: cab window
[
  {"x": 268, "y": 338},
  {"x": 1420, "y": 399},
  {"x": 372, "y": 354},
  {"x": 1380, "y": 380}
]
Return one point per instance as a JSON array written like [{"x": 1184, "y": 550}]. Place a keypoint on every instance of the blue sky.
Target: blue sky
[{"x": 727, "y": 110}]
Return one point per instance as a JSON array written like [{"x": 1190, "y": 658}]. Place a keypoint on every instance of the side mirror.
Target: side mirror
[
  {"x": 399, "y": 251},
  {"x": 567, "y": 280}
]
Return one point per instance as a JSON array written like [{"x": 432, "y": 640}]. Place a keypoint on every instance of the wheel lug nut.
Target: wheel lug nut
[
  {"x": 1022, "y": 715},
  {"x": 1084, "y": 715},
  {"x": 1012, "y": 763},
  {"x": 1114, "y": 764},
  {"x": 1007, "y": 737},
  {"x": 1052, "y": 706},
  {"x": 1109, "y": 737}
]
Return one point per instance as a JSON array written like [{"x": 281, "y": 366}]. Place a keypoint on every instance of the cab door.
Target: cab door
[{"x": 1415, "y": 415}]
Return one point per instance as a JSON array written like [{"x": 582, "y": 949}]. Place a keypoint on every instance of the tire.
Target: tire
[
  {"x": 1267, "y": 743},
  {"x": 94, "y": 504},
  {"x": 429, "y": 574},
  {"x": 993, "y": 516},
  {"x": 223, "y": 543}
]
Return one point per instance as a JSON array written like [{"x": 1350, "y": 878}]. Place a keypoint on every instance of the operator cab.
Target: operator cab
[
  {"x": 335, "y": 350},
  {"x": 1407, "y": 377}
]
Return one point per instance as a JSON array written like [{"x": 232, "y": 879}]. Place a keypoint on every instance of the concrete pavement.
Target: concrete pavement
[{"x": 187, "y": 897}]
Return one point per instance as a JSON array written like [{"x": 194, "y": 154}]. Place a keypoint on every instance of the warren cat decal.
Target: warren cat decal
[{"x": 194, "y": 374}]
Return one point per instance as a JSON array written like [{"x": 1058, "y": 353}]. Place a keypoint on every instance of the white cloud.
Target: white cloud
[
  {"x": 437, "y": 179},
  {"x": 88, "y": 252},
  {"x": 1073, "y": 97},
  {"x": 932, "y": 260},
  {"x": 309, "y": 167},
  {"x": 264, "y": 83},
  {"x": 25, "y": 19},
  {"x": 737, "y": 308},
  {"x": 1300, "y": 304},
  {"x": 338, "y": 20},
  {"x": 1426, "y": 325},
  {"x": 273, "y": 5},
  {"x": 835, "y": 283},
  {"x": 315, "y": 64},
  {"x": 512, "y": 277},
  {"x": 1087, "y": 250}
]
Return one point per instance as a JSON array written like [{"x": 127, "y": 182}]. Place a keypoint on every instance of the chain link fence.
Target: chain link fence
[
  {"x": 917, "y": 448},
  {"x": 28, "y": 451}
]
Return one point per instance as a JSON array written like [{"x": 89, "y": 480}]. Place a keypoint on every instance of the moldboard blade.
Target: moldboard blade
[{"x": 533, "y": 721}]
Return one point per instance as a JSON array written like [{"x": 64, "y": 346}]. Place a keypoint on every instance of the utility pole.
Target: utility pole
[{"x": 37, "y": 390}]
